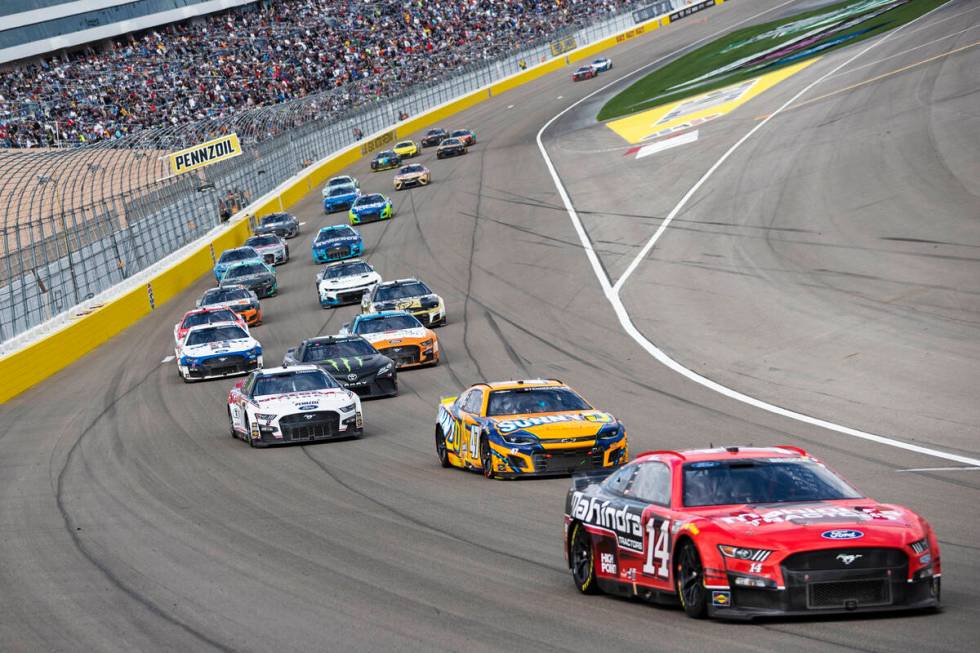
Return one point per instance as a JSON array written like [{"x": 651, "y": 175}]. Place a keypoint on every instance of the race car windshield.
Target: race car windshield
[
  {"x": 281, "y": 384},
  {"x": 245, "y": 270},
  {"x": 387, "y": 154},
  {"x": 207, "y": 317},
  {"x": 459, "y": 133},
  {"x": 528, "y": 401},
  {"x": 346, "y": 270},
  {"x": 410, "y": 169},
  {"x": 322, "y": 351},
  {"x": 274, "y": 219},
  {"x": 405, "y": 144},
  {"x": 232, "y": 255},
  {"x": 219, "y": 295},
  {"x": 451, "y": 142},
  {"x": 216, "y": 334},
  {"x": 776, "y": 480},
  {"x": 330, "y": 234},
  {"x": 338, "y": 191},
  {"x": 436, "y": 132},
  {"x": 262, "y": 241},
  {"x": 401, "y": 291},
  {"x": 393, "y": 323},
  {"x": 341, "y": 181},
  {"x": 583, "y": 69},
  {"x": 369, "y": 199}
]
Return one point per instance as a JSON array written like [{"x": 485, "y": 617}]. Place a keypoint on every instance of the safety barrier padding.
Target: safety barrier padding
[{"x": 28, "y": 366}]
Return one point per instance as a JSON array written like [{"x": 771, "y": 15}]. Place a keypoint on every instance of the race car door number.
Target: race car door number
[{"x": 657, "y": 546}]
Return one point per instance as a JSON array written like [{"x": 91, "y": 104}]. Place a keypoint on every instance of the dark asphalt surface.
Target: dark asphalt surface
[{"x": 829, "y": 267}]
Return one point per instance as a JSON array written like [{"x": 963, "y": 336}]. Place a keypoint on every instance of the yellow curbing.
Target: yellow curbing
[{"x": 37, "y": 361}]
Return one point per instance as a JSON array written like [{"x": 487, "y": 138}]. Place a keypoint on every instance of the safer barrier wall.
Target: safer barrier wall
[{"x": 24, "y": 368}]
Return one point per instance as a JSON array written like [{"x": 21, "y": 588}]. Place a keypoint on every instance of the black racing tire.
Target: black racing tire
[
  {"x": 248, "y": 433},
  {"x": 689, "y": 582},
  {"x": 581, "y": 558},
  {"x": 442, "y": 451},
  {"x": 231, "y": 425},
  {"x": 486, "y": 458}
]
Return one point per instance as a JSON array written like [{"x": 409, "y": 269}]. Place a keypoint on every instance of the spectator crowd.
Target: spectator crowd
[{"x": 352, "y": 52}]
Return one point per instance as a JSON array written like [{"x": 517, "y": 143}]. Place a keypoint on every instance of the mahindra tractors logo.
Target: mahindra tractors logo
[{"x": 848, "y": 558}]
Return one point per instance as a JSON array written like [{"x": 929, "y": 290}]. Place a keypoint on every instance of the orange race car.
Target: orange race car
[
  {"x": 527, "y": 428},
  {"x": 414, "y": 174},
  {"x": 398, "y": 335}
]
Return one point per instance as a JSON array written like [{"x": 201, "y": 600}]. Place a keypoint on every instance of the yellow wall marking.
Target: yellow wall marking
[{"x": 698, "y": 109}]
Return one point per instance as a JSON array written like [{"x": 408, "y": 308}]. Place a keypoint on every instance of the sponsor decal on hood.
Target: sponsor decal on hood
[
  {"x": 508, "y": 425},
  {"x": 393, "y": 335},
  {"x": 812, "y": 514}
]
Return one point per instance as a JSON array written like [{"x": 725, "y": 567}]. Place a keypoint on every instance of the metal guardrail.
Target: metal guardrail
[{"x": 77, "y": 221}]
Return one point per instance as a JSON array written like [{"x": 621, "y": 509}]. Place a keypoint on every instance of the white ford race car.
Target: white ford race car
[
  {"x": 211, "y": 351},
  {"x": 299, "y": 403},
  {"x": 345, "y": 282}
]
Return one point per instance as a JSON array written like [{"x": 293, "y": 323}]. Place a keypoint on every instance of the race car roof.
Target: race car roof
[
  {"x": 299, "y": 367},
  {"x": 523, "y": 383},
  {"x": 727, "y": 453},
  {"x": 213, "y": 325}
]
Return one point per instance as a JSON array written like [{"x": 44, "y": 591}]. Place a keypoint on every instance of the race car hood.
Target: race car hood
[
  {"x": 345, "y": 197},
  {"x": 355, "y": 281},
  {"x": 234, "y": 303},
  {"x": 249, "y": 279},
  {"x": 373, "y": 206},
  {"x": 555, "y": 426},
  {"x": 403, "y": 334},
  {"x": 267, "y": 248},
  {"x": 824, "y": 524},
  {"x": 217, "y": 348},
  {"x": 408, "y": 303},
  {"x": 329, "y": 399},
  {"x": 410, "y": 175},
  {"x": 352, "y": 364}
]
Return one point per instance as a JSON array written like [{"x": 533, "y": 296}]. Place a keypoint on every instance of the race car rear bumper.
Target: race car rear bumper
[{"x": 870, "y": 594}]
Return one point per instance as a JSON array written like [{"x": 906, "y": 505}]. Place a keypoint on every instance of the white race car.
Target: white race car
[
  {"x": 273, "y": 248},
  {"x": 345, "y": 282},
  {"x": 299, "y": 403},
  {"x": 216, "y": 350},
  {"x": 343, "y": 180},
  {"x": 601, "y": 65}
]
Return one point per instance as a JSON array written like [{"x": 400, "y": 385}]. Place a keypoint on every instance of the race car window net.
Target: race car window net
[
  {"x": 473, "y": 402},
  {"x": 651, "y": 484},
  {"x": 335, "y": 350},
  {"x": 619, "y": 480},
  {"x": 401, "y": 291},
  {"x": 528, "y": 401},
  {"x": 346, "y": 270},
  {"x": 343, "y": 232},
  {"x": 719, "y": 483},
  {"x": 217, "y": 334},
  {"x": 393, "y": 323},
  {"x": 236, "y": 255},
  {"x": 282, "y": 384},
  {"x": 245, "y": 270},
  {"x": 209, "y": 317},
  {"x": 221, "y": 295}
]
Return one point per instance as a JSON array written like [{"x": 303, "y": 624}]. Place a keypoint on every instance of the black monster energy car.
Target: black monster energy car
[{"x": 351, "y": 360}]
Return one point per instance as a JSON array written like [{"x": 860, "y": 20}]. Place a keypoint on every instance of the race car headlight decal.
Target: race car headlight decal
[
  {"x": 385, "y": 371},
  {"x": 751, "y": 581},
  {"x": 426, "y": 343},
  {"x": 610, "y": 432},
  {"x": 348, "y": 408},
  {"x": 429, "y": 302},
  {"x": 921, "y": 546},
  {"x": 519, "y": 438},
  {"x": 265, "y": 417},
  {"x": 742, "y": 553}
]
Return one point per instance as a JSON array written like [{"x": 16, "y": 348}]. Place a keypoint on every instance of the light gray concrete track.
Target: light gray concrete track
[{"x": 130, "y": 520}]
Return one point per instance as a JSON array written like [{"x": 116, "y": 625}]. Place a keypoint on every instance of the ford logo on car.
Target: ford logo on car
[{"x": 842, "y": 534}]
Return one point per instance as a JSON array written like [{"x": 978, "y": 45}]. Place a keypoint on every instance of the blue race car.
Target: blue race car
[
  {"x": 339, "y": 198},
  {"x": 369, "y": 208},
  {"x": 336, "y": 243},
  {"x": 231, "y": 257}
]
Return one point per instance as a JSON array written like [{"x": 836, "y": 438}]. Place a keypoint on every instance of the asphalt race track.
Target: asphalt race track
[{"x": 831, "y": 266}]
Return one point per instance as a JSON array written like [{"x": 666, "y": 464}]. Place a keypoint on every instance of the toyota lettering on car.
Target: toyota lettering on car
[
  {"x": 345, "y": 282},
  {"x": 212, "y": 351},
  {"x": 534, "y": 427},
  {"x": 289, "y": 405},
  {"x": 747, "y": 532}
]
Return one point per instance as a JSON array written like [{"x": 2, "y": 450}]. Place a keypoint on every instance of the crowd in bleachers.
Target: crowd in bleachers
[{"x": 354, "y": 52}]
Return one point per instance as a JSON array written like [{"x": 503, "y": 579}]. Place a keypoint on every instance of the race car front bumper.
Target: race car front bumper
[
  {"x": 826, "y": 592},
  {"x": 375, "y": 389},
  {"x": 369, "y": 216},
  {"x": 333, "y": 207},
  {"x": 514, "y": 461},
  {"x": 299, "y": 428},
  {"x": 340, "y": 297},
  {"x": 410, "y": 355},
  {"x": 431, "y": 317},
  {"x": 277, "y": 257},
  {"x": 337, "y": 253}
]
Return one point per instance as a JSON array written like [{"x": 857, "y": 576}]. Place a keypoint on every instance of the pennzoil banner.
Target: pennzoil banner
[
  {"x": 378, "y": 143},
  {"x": 205, "y": 154}
]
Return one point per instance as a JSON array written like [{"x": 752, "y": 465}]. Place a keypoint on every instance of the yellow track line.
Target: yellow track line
[{"x": 875, "y": 78}]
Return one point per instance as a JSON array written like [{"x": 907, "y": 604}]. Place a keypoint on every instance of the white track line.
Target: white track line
[
  {"x": 167, "y": 359},
  {"x": 940, "y": 469},
  {"x": 612, "y": 292},
  {"x": 667, "y": 143}
]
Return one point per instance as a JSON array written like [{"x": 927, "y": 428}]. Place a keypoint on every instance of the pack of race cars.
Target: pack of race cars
[{"x": 726, "y": 532}]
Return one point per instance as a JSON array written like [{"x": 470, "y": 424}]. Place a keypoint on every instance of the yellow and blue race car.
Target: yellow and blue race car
[{"x": 527, "y": 428}]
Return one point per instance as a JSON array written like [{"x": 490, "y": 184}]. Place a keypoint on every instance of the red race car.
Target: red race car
[
  {"x": 739, "y": 533},
  {"x": 585, "y": 72},
  {"x": 205, "y": 316}
]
